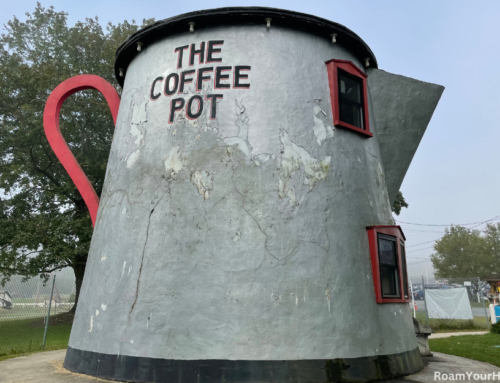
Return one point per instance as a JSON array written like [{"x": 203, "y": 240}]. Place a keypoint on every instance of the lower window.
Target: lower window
[
  {"x": 389, "y": 271},
  {"x": 387, "y": 250}
]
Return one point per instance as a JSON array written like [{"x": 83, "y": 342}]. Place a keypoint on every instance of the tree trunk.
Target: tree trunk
[{"x": 79, "y": 272}]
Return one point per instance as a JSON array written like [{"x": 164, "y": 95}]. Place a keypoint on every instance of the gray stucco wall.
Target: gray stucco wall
[{"x": 242, "y": 237}]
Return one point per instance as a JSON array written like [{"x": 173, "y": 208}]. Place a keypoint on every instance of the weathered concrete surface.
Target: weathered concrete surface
[
  {"x": 47, "y": 367},
  {"x": 242, "y": 237},
  {"x": 422, "y": 333},
  {"x": 402, "y": 109}
]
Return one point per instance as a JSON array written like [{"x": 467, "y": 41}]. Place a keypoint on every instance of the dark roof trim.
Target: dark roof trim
[{"x": 239, "y": 15}]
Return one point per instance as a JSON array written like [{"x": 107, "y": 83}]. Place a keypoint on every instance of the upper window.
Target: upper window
[
  {"x": 388, "y": 256},
  {"x": 348, "y": 96}
]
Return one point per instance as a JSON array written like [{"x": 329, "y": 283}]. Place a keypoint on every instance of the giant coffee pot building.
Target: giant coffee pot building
[{"x": 244, "y": 233}]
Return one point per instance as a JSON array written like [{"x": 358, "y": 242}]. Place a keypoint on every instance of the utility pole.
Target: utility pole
[
  {"x": 413, "y": 299},
  {"x": 48, "y": 312},
  {"x": 425, "y": 302},
  {"x": 484, "y": 305}
]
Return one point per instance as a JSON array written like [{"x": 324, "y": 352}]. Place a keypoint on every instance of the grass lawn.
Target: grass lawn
[
  {"x": 450, "y": 325},
  {"x": 480, "y": 305},
  {"x": 26, "y": 336},
  {"x": 478, "y": 347}
]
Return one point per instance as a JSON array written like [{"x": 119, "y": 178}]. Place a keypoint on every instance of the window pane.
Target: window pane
[
  {"x": 351, "y": 114},
  {"x": 350, "y": 99},
  {"x": 350, "y": 88},
  {"x": 405, "y": 271},
  {"x": 387, "y": 252},
  {"x": 388, "y": 280},
  {"x": 389, "y": 266}
]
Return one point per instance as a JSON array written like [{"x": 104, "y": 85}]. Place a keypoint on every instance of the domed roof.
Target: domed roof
[{"x": 240, "y": 15}]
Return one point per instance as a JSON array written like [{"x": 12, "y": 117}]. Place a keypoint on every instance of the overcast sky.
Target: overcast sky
[{"x": 453, "y": 177}]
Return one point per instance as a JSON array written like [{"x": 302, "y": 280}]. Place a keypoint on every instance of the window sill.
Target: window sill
[
  {"x": 393, "y": 300},
  {"x": 345, "y": 125}
]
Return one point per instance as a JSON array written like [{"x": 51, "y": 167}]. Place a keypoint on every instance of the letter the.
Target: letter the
[
  {"x": 211, "y": 50},
  {"x": 175, "y": 105},
  {"x": 213, "y": 104},
  {"x": 180, "y": 51},
  {"x": 200, "y": 52}
]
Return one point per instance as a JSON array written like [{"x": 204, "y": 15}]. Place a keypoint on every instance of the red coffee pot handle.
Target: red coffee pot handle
[{"x": 57, "y": 141}]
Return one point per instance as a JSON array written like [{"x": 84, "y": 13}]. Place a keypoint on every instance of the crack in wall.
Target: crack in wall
[
  {"x": 142, "y": 259},
  {"x": 258, "y": 224}
]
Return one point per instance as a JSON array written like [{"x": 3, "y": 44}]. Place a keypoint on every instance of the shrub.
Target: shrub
[{"x": 495, "y": 328}]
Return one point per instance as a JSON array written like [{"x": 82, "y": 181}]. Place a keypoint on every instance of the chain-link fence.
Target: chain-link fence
[
  {"x": 459, "y": 304},
  {"x": 35, "y": 314}
]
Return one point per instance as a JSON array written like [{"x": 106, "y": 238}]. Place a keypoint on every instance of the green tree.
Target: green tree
[
  {"x": 399, "y": 203},
  {"x": 44, "y": 222},
  {"x": 463, "y": 252}
]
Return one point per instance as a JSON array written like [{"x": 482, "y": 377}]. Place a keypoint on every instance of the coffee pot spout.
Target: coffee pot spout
[{"x": 402, "y": 108}]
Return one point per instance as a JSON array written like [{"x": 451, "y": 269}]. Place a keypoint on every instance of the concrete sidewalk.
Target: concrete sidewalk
[
  {"x": 46, "y": 367},
  {"x": 448, "y": 334}
]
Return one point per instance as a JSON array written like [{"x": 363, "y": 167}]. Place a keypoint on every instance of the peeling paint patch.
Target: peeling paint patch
[
  {"x": 262, "y": 157},
  {"x": 317, "y": 110},
  {"x": 91, "y": 324},
  {"x": 243, "y": 124},
  {"x": 129, "y": 270},
  {"x": 103, "y": 258},
  {"x": 139, "y": 112},
  {"x": 287, "y": 191},
  {"x": 103, "y": 307},
  {"x": 242, "y": 144},
  {"x": 173, "y": 162},
  {"x": 292, "y": 157},
  {"x": 133, "y": 158},
  {"x": 237, "y": 236},
  {"x": 97, "y": 313},
  {"x": 321, "y": 131},
  {"x": 203, "y": 182},
  {"x": 139, "y": 137},
  {"x": 123, "y": 268},
  {"x": 276, "y": 299}
]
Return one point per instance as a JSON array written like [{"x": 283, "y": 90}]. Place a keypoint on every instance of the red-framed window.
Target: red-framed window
[
  {"x": 388, "y": 256},
  {"x": 349, "y": 96}
]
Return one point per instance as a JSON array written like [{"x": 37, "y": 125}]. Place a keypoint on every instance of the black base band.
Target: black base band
[{"x": 139, "y": 369}]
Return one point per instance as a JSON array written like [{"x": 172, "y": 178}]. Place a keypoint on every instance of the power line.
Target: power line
[
  {"x": 456, "y": 224},
  {"x": 417, "y": 263},
  {"x": 423, "y": 243},
  {"x": 425, "y": 231},
  {"x": 425, "y": 248}
]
